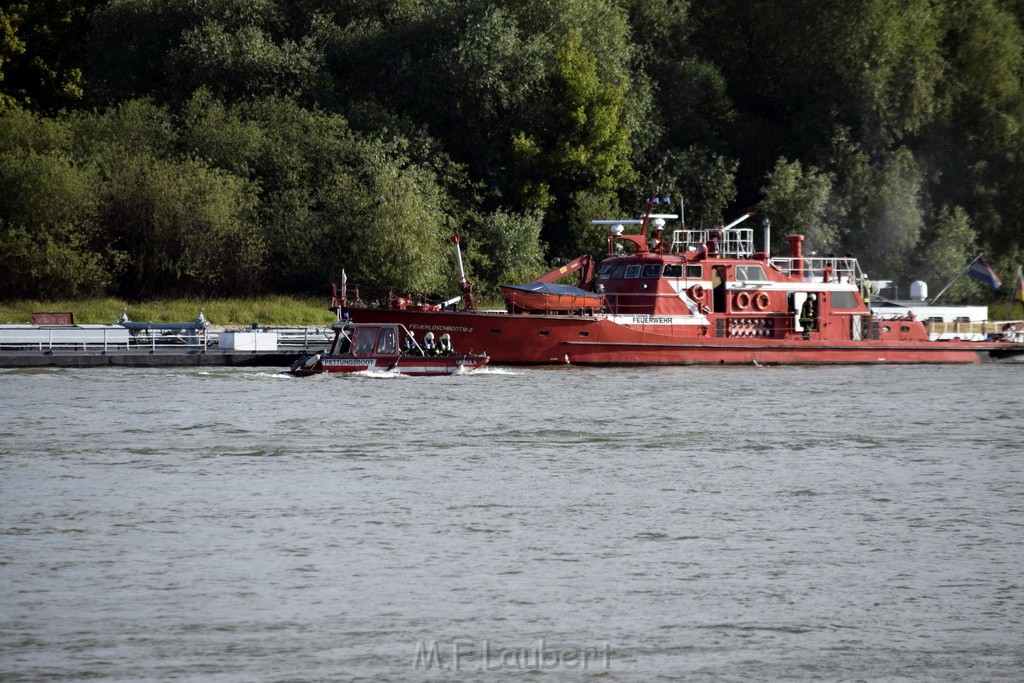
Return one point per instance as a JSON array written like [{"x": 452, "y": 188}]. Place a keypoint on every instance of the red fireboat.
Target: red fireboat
[{"x": 693, "y": 297}]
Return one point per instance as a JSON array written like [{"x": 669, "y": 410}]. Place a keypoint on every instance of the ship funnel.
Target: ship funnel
[
  {"x": 796, "y": 252},
  {"x": 796, "y": 248}
]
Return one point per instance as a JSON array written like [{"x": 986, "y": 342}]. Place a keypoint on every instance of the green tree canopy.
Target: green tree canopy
[{"x": 319, "y": 134}]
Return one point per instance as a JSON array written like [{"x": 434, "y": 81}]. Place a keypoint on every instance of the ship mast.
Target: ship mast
[{"x": 464, "y": 285}]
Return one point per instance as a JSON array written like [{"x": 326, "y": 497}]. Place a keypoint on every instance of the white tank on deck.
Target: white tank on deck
[{"x": 919, "y": 290}]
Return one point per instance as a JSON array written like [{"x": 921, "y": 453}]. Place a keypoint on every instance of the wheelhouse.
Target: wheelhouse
[{"x": 368, "y": 340}]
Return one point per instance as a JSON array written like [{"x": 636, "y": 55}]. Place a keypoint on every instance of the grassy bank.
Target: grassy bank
[{"x": 281, "y": 311}]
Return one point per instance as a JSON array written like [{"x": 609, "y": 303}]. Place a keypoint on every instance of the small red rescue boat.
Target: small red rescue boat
[
  {"x": 549, "y": 297},
  {"x": 386, "y": 347}
]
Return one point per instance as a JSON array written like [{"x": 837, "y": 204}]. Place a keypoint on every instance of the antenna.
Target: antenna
[{"x": 943, "y": 290}]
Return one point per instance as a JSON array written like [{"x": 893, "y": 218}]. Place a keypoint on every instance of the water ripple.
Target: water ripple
[{"x": 703, "y": 523}]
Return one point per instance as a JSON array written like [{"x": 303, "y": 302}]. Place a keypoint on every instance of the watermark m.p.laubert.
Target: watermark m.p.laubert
[{"x": 483, "y": 655}]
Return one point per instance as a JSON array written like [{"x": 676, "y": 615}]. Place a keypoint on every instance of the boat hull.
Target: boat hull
[
  {"x": 597, "y": 340},
  {"x": 406, "y": 365}
]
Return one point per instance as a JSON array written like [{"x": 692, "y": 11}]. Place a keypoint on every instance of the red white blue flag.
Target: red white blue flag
[{"x": 982, "y": 271}]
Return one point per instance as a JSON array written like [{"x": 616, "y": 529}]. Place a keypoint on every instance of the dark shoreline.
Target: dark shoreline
[{"x": 59, "y": 358}]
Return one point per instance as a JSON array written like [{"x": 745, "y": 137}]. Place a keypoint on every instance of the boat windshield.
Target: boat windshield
[
  {"x": 363, "y": 339},
  {"x": 386, "y": 344},
  {"x": 750, "y": 274},
  {"x": 342, "y": 344},
  {"x": 611, "y": 271}
]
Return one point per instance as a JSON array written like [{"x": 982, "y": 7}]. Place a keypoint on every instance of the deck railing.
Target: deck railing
[
  {"x": 111, "y": 338},
  {"x": 1010, "y": 330},
  {"x": 302, "y": 337},
  {"x": 97, "y": 339},
  {"x": 733, "y": 243},
  {"x": 813, "y": 267}
]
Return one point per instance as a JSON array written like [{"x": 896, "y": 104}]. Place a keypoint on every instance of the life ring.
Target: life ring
[
  {"x": 696, "y": 292},
  {"x": 761, "y": 301},
  {"x": 742, "y": 301}
]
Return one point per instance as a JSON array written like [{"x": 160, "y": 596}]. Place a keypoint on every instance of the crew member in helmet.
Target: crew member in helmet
[
  {"x": 446, "y": 344},
  {"x": 409, "y": 345},
  {"x": 428, "y": 342},
  {"x": 809, "y": 315}
]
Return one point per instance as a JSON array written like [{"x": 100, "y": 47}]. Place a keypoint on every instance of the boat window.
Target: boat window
[
  {"x": 386, "y": 343},
  {"x": 748, "y": 273},
  {"x": 843, "y": 300},
  {"x": 633, "y": 271},
  {"x": 605, "y": 272},
  {"x": 617, "y": 272},
  {"x": 584, "y": 333},
  {"x": 651, "y": 270},
  {"x": 886, "y": 328},
  {"x": 544, "y": 333},
  {"x": 343, "y": 345},
  {"x": 694, "y": 272},
  {"x": 363, "y": 340},
  {"x": 495, "y": 330},
  {"x": 673, "y": 270}
]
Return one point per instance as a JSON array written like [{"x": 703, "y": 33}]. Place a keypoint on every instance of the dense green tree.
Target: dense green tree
[
  {"x": 702, "y": 182},
  {"x": 690, "y": 103},
  {"x": 320, "y": 134},
  {"x": 796, "y": 199},
  {"x": 950, "y": 246},
  {"x": 584, "y": 144},
  {"x": 976, "y": 147},
  {"x": 245, "y": 62},
  {"x": 46, "y": 44},
  {"x": 50, "y": 241},
  {"x": 892, "y": 218},
  {"x": 25, "y": 131},
  {"x": 388, "y": 223},
  {"x": 889, "y": 66},
  {"x": 166, "y": 49},
  {"x": 509, "y": 249},
  {"x": 134, "y": 125},
  {"x": 183, "y": 226},
  {"x": 10, "y": 46},
  {"x": 329, "y": 197},
  {"x": 186, "y": 228},
  {"x": 587, "y": 206}
]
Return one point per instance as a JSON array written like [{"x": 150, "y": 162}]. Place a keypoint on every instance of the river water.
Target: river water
[{"x": 633, "y": 524}]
